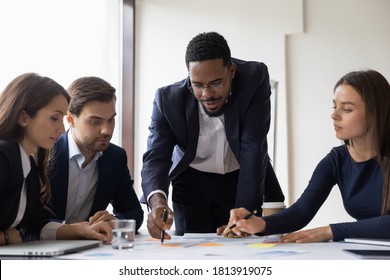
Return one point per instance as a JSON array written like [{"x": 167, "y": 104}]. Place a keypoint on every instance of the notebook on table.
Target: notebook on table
[{"x": 47, "y": 248}]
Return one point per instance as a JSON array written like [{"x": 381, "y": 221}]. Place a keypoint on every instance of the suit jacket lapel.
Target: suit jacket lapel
[
  {"x": 192, "y": 115},
  {"x": 192, "y": 134},
  {"x": 232, "y": 119}
]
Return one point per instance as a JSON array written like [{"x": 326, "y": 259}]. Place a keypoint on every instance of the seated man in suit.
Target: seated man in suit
[{"x": 87, "y": 171}]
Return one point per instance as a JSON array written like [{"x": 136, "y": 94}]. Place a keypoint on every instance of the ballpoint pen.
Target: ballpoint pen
[
  {"x": 250, "y": 214},
  {"x": 164, "y": 218}
]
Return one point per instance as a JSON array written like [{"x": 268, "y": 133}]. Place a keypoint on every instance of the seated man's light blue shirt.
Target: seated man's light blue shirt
[{"x": 81, "y": 185}]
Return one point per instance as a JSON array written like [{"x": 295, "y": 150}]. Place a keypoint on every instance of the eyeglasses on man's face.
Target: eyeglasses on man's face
[{"x": 216, "y": 86}]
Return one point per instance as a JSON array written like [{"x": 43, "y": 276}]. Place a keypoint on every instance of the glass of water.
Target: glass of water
[{"x": 123, "y": 232}]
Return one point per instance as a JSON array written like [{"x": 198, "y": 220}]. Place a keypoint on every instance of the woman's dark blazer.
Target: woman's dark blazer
[{"x": 11, "y": 183}]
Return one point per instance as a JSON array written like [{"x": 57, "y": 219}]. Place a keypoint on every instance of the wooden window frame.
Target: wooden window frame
[{"x": 128, "y": 75}]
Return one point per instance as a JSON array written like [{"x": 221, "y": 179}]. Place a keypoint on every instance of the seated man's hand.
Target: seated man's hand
[
  {"x": 83, "y": 230},
  {"x": 99, "y": 230},
  {"x": 101, "y": 216}
]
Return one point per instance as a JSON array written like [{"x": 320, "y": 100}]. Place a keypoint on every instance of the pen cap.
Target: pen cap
[{"x": 270, "y": 208}]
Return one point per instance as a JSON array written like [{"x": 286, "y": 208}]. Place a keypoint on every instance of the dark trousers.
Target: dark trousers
[{"x": 202, "y": 200}]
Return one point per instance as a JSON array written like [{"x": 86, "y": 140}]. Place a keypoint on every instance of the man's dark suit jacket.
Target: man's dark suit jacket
[
  {"x": 114, "y": 185},
  {"x": 174, "y": 132},
  {"x": 11, "y": 183}
]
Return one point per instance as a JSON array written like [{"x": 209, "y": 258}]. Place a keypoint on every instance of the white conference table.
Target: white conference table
[{"x": 212, "y": 247}]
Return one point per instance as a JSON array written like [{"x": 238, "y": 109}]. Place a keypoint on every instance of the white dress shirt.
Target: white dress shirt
[{"x": 213, "y": 153}]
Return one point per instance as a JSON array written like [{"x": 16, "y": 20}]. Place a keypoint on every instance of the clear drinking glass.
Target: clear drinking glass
[{"x": 123, "y": 232}]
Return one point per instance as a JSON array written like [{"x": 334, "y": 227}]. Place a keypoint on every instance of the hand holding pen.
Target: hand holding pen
[
  {"x": 155, "y": 223},
  {"x": 247, "y": 216},
  {"x": 242, "y": 223}
]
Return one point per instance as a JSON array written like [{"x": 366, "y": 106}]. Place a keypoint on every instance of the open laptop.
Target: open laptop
[{"x": 47, "y": 248}]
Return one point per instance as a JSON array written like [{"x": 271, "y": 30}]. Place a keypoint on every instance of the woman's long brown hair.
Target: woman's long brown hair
[{"x": 28, "y": 93}]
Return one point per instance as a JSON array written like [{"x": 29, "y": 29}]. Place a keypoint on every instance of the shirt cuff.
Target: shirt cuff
[
  {"x": 156, "y": 191},
  {"x": 49, "y": 231}
]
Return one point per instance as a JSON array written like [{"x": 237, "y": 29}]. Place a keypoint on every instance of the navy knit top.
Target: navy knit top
[{"x": 361, "y": 185}]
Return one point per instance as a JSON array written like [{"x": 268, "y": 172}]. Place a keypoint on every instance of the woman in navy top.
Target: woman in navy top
[
  {"x": 360, "y": 168},
  {"x": 31, "y": 120}
]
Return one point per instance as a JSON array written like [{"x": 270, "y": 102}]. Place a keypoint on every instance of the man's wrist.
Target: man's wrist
[{"x": 157, "y": 199}]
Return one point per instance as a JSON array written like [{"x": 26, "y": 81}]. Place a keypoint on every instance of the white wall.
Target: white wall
[
  {"x": 307, "y": 46},
  {"x": 63, "y": 40},
  {"x": 164, "y": 28}
]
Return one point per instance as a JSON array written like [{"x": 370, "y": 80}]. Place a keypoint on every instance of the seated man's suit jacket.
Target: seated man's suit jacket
[{"x": 114, "y": 184}]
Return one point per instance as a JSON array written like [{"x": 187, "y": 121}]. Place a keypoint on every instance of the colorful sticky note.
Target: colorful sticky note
[
  {"x": 210, "y": 244},
  {"x": 171, "y": 244}
]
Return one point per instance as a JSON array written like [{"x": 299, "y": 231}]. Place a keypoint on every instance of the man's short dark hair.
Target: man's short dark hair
[
  {"x": 86, "y": 89},
  {"x": 205, "y": 46}
]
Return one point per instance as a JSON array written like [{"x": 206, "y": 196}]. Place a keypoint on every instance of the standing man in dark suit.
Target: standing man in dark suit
[
  {"x": 208, "y": 139},
  {"x": 89, "y": 172}
]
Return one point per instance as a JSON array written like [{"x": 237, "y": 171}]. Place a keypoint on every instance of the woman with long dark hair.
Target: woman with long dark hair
[
  {"x": 360, "y": 167},
  {"x": 32, "y": 108}
]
